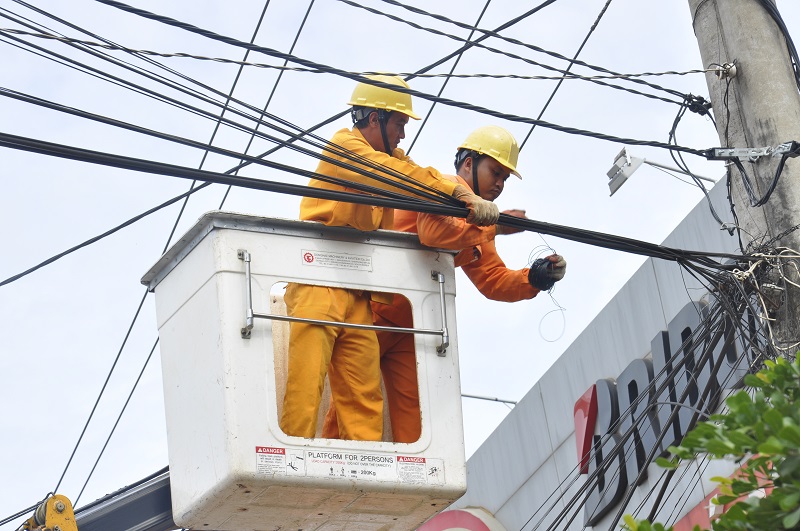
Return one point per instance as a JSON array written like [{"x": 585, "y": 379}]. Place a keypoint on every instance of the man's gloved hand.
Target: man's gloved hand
[
  {"x": 481, "y": 211},
  {"x": 545, "y": 272}
]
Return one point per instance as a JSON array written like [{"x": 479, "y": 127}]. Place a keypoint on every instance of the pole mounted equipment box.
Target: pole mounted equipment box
[{"x": 222, "y": 336}]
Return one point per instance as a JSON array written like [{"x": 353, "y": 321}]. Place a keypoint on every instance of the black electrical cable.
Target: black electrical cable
[
  {"x": 271, "y": 94},
  {"x": 697, "y": 259},
  {"x": 678, "y": 159},
  {"x": 359, "y": 78},
  {"x": 444, "y": 85},
  {"x": 512, "y": 55},
  {"x": 662, "y": 383},
  {"x": 566, "y": 71},
  {"x": 148, "y": 166},
  {"x": 703, "y": 399},
  {"x": 496, "y": 34},
  {"x": 102, "y": 390},
  {"x": 263, "y": 162},
  {"x": 99, "y": 237},
  {"x": 320, "y": 144},
  {"x": 116, "y": 423},
  {"x": 695, "y": 337}
]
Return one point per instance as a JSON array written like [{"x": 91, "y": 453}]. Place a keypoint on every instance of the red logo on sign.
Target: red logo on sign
[
  {"x": 404, "y": 459},
  {"x": 585, "y": 415},
  {"x": 308, "y": 257},
  {"x": 268, "y": 450}
]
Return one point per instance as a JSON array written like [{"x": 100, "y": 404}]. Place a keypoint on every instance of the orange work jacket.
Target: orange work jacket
[
  {"x": 478, "y": 256},
  {"x": 364, "y": 217}
]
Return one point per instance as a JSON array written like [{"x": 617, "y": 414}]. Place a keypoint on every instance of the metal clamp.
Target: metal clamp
[
  {"x": 790, "y": 149},
  {"x": 250, "y": 315}
]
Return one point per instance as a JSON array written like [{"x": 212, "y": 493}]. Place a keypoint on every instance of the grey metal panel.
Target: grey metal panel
[
  {"x": 146, "y": 506},
  {"x": 496, "y": 478},
  {"x": 521, "y": 508}
]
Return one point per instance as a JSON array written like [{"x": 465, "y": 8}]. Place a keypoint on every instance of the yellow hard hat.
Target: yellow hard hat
[
  {"x": 495, "y": 142},
  {"x": 365, "y": 95}
]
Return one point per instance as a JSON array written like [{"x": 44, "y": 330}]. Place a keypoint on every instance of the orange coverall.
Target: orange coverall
[
  {"x": 478, "y": 258},
  {"x": 348, "y": 355}
]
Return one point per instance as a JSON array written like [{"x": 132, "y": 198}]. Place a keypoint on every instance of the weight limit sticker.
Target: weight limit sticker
[
  {"x": 349, "y": 465},
  {"x": 336, "y": 260}
]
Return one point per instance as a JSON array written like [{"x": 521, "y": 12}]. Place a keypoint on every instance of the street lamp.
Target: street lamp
[{"x": 625, "y": 165}]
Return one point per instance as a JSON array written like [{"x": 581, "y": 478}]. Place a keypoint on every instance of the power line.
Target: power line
[
  {"x": 284, "y": 68},
  {"x": 119, "y": 417},
  {"x": 696, "y": 260},
  {"x": 342, "y": 73},
  {"x": 508, "y": 54},
  {"x": 447, "y": 80},
  {"x": 496, "y": 34},
  {"x": 572, "y": 62},
  {"x": 99, "y": 237},
  {"x": 271, "y": 94},
  {"x": 318, "y": 143}
]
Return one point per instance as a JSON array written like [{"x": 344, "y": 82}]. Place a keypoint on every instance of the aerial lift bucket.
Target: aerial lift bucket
[{"x": 223, "y": 330}]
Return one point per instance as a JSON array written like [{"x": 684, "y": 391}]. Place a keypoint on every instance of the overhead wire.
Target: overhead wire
[
  {"x": 317, "y": 142},
  {"x": 271, "y": 94},
  {"x": 285, "y": 68},
  {"x": 476, "y": 108},
  {"x": 569, "y": 66},
  {"x": 116, "y": 423},
  {"x": 99, "y": 237},
  {"x": 436, "y": 197},
  {"x": 508, "y": 54},
  {"x": 447, "y": 80},
  {"x": 497, "y": 35}
]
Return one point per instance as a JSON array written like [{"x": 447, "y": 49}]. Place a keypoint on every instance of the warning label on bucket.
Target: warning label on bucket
[
  {"x": 270, "y": 460},
  {"x": 349, "y": 465},
  {"x": 336, "y": 260}
]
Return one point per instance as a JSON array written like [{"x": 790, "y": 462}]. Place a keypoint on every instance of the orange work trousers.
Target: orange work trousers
[
  {"x": 399, "y": 369},
  {"x": 349, "y": 357}
]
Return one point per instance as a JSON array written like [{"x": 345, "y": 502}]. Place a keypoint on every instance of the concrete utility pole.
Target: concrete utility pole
[{"x": 763, "y": 109}]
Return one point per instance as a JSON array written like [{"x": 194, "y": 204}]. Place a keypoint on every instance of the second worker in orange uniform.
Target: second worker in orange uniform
[{"x": 483, "y": 161}]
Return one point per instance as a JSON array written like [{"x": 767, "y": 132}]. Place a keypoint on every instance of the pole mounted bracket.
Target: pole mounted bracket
[
  {"x": 788, "y": 149},
  {"x": 726, "y": 71}
]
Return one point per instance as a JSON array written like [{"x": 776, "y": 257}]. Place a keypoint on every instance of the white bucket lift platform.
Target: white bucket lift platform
[{"x": 222, "y": 351}]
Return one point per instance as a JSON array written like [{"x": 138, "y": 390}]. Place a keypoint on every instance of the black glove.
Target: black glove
[{"x": 545, "y": 272}]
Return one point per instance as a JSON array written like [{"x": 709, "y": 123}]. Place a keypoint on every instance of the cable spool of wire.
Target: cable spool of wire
[{"x": 539, "y": 274}]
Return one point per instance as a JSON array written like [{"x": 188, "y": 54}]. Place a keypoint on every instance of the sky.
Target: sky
[{"x": 62, "y": 326}]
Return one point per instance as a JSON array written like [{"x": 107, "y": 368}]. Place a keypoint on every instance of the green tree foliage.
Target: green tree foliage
[{"x": 762, "y": 431}]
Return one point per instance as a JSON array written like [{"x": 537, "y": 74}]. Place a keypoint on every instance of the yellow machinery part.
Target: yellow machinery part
[{"x": 55, "y": 514}]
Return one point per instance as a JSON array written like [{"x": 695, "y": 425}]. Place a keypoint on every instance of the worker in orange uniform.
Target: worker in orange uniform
[
  {"x": 484, "y": 161},
  {"x": 349, "y": 356}
]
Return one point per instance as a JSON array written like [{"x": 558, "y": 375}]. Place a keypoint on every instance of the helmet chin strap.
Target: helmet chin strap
[
  {"x": 383, "y": 117},
  {"x": 475, "y": 188}
]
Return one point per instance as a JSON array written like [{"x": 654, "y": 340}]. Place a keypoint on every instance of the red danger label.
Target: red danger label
[
  {"x": 404, "y": 459},
  {"x": 268, "y": 450}
]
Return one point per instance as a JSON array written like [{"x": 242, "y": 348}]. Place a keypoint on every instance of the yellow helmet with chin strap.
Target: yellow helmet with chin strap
[
  {"x": 372, "y": 97},
  {"x": 494, "y": 142}
]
